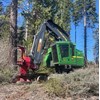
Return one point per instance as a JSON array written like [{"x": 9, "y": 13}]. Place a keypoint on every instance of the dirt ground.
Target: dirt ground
[{"x": 24, "y": 92}]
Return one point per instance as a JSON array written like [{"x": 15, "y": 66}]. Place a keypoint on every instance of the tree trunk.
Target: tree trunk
[
  {"x": 13, "y": 30},
  {"x": 26, "y": 30},
  {"x": 85, "y": 35}
]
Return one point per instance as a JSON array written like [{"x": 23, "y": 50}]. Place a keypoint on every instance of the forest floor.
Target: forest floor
[
  {"x": 82, "y": 84},
  {"x": 58, "y": 87}
]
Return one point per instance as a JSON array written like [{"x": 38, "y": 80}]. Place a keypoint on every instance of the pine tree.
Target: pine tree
[
  {"x": 63, "y": 15},
  {"x": 85, "y": 9},
  {"x": 57, "y": 10},
  {"x": 4, "y": 25},
  {"x": 78, "y": 12},
  {"x": 13, "y": 29}
]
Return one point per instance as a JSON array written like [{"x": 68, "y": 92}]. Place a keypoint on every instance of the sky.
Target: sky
[
  {"x": 79, "y": 30},
  {"x": 80, "y": 35}
]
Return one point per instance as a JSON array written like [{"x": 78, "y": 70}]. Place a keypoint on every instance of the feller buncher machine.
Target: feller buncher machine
[{"x": 61, "y": 54}]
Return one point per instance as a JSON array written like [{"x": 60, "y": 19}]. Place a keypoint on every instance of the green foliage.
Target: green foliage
[
  {"x": 21, "y": 41},
  {"x": 63, "y": 15},
  {"x": 20, "y": 35},
  {"x": 59, "y": 11},
  {"x": 4, "y": 27},
  {"x": 44, "y": 69},
  {"x": 6, "y": 75},
  {"x": 84, "y": 82},
  {"x": 55, "y": 87},
  {"x": 28, "y": 45},
  {"x": 78, "y": 12},
  {"x": 39, "y": 14}
]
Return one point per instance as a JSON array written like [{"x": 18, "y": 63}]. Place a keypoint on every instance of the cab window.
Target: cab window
[
  {"x": 73, "y": 49},
  {"x": 64, "y": 49}
]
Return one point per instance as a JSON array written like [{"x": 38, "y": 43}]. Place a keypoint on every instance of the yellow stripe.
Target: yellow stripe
[
  {"x": 62, "y": 35},
  {"x": 77, "y": 57}
]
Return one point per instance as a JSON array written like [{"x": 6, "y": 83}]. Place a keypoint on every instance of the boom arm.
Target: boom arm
[{"x": 39, "y": 39}]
